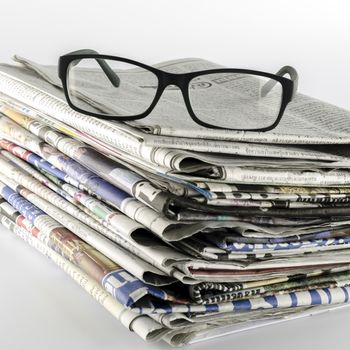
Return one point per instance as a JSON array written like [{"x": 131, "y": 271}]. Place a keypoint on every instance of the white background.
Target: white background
[{"x": 42, "y": 308}]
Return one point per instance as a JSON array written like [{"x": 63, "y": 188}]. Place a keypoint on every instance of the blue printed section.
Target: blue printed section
[
  {"x": 26, "y": 208},
  {"x": 346, "y": 293},
  {"x": 127, "y": 289},
  {"x": 242, "y": 305},
  {"x": 329, "y": 295},
  {"x": 163, "y": 307},
  {"x": 275, "y": 301},
  {"x": 294, "y": 299},
  {"x": 272, "y": 300},
  {"x": 315, "y": 297},
  {"x": 93, "y": 182},
  {"x": 237, "y": 247},
  {"x": 41, "y": 163},
  {"x": 212, "y": 308},
  {"x": 223, "y": 239}
]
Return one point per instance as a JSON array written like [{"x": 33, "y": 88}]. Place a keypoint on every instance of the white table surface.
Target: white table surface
[{"x": 40, "y": 307}]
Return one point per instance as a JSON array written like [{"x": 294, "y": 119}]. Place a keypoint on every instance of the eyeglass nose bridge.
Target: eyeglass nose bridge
[{"x": 178, "y": 80}]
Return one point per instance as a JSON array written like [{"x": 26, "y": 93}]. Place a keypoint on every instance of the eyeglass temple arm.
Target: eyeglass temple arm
[
  {"x": 112, "y": 76},
  {"x": 282, "y": 72}
]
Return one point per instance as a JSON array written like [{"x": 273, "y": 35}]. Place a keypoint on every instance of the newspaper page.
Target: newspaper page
[
  {"x": 117, "y": 254},
  {"x": 260, "y": 266},
  {"x": 141, "y": 243},
  {"x": 306, "y": 119},
  {"x": 138, "y": 148},
  {"x": 165, "y": 228},
  {"x": 186, "y": 267},
  {"x": 144, "y": 326},
  {"x": 160, "y": 199}
]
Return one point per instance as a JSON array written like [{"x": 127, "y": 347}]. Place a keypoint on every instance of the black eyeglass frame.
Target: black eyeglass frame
[{"x": 182, "y": 81}]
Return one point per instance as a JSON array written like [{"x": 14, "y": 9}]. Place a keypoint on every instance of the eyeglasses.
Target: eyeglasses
[{"x": 116, "y": 88}]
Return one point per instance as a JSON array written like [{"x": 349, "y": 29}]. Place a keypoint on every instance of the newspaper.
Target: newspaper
[
  {"x": 111, "y": 171},
  {"x": 145, "y": 327},
  {"x": 228, "y": 250},
  {"x": 139, "y": 242},
  {"x": 210, "y": 293},
  {"x": 136, "y": 266},
  {"x": 107, "y": 279},
  {"x": 128, "y": 291},
  {"x": 163, "y": 202},
  {"x": 183, "y": 267},
  {"x": 162, "y": 226},
  {"x": 234, "y": 173},
  {"x": 126, "y": 140},
  {"x": 189, "y": 267},
  {"x": 153, "y": 172},
  {"x": 226, "y": 194},
  {"x": 218, "y": 211},
  {"x": 306, "y": 119},
  {"x": 226, "y": 330},
  {"x": 170, "y": 162},
  {"x": 118, "y": 282},
  {"x": 223, "y": 194},
  {"x": 178, "y": 320}
]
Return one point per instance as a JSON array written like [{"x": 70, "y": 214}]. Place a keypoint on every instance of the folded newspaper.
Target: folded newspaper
[{"x": 183, "y": 233}]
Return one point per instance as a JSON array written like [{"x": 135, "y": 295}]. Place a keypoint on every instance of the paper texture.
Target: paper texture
[{"x": 183, "y": 233}]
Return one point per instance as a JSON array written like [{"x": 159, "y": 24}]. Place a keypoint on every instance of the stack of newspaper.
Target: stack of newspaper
[{"x": 183, "y": 233}]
